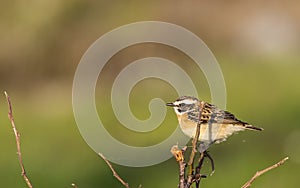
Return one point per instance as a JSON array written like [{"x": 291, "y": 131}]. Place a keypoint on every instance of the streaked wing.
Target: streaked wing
[
  {"x": 212, "y": 114},
  {"x": 217, "y": 125}
]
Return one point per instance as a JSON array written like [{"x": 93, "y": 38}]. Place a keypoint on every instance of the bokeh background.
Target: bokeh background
[{"x": 256, "y": 44}]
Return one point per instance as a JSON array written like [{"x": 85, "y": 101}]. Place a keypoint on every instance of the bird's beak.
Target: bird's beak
[{"x": 170, "y": 104}]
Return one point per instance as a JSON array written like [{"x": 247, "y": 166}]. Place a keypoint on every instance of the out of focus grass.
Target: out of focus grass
[{"x": 263, "y": 93}]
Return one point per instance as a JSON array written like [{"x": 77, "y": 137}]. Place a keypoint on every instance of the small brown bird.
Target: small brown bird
[{"x": 216, "y": 124}]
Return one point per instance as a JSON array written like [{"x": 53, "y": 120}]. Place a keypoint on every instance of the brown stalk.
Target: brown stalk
[
  {"x": 178, "y": 154},
  {"x": 194, "y": 148},
  {"x": 115, "y": 174},
  {"x": 18, "y": 142},
  {"x": 259, "y": 173}
]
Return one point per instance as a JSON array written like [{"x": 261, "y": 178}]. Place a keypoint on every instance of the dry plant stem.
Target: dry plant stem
[
  {"x": 18, "y": 142},
  {"x": 197, "y": 176},
  {"x": 115, "y": 174},
  {"x": 259, "y": 173},
  {"x": 181, "y": 174},
  {"x": 194, "y": 148},
  {"x": 182, "y": 165},
  {"x": 178, "y": 154},
  {"x": 206, "y": 154}
]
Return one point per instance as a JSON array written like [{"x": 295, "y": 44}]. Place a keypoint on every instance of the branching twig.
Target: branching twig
[
  {"x": 17, "y": 135},
  {"x": 116, "y": 175},
  {"x": 198, "y": 176},
  {"x": 194, "y": 147},
  {"x": 206, "y": 154},
  {"x": 178, "y": 154},
  {"x": 259, "y": 173},
  {"x": 195, "y": 140}
]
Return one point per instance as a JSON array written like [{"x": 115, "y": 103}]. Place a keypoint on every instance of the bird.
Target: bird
[{"x": 216, "y": 125}]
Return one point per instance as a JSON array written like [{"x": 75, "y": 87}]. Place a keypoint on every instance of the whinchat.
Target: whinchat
[{"x": 216, "y": 124}]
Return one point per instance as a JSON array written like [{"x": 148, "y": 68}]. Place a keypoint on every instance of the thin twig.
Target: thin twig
[
  {"x": 115, "y": 174},
  {"x": 259, "y": 173},
  {"x": 206, "y": 154},
  {"x": 198, "y": 176},
  {"x": 194, "y": 147},
  {"x": 17, "y": 135},
  {"x": 178, "y": 154}
]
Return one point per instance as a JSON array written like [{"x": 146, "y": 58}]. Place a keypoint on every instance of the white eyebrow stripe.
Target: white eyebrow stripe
[{"x": 185, "y": 101}]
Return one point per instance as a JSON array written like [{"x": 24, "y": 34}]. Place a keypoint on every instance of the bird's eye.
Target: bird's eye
[{"x": 179, "y": 110}]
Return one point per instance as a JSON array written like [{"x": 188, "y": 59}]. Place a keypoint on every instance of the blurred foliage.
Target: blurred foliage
[{"x": 43, "y": 41}]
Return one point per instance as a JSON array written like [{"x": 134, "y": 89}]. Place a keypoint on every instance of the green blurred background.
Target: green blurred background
[{"x": 256, "y": 44}]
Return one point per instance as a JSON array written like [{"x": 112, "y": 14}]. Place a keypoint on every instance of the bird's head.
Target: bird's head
[{"x": 184, "y": 105}]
